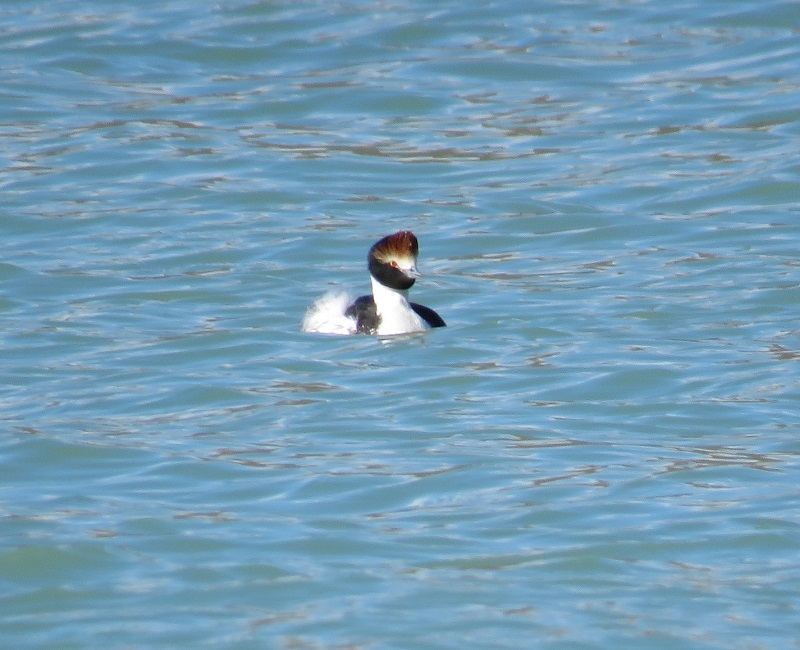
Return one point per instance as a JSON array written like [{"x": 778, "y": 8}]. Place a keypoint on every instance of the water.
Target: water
[{"x": 599, "y": 451}]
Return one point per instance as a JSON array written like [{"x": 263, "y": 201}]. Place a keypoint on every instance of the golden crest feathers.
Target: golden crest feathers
[{"x": 401, "y": 245}]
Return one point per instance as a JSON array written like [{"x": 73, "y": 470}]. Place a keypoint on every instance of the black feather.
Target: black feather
[
  {"x": 428, "y": 315},
  {"x": 366, "y": 314}
]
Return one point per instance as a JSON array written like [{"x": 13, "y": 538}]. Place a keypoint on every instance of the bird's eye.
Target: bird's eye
[{"x": 393, "y": 264}]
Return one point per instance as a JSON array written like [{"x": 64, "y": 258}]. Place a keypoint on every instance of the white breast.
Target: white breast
[{"x": 397, "y": 316}]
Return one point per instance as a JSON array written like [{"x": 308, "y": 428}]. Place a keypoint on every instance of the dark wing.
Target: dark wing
[
  {"x": 428, "y": 315},
  {"x": 366, "y": 314}
]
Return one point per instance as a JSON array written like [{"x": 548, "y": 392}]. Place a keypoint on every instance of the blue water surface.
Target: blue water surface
[{"x": 601, "y": 449}]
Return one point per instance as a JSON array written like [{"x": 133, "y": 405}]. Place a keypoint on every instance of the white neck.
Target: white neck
[{"x": 396, "y": 314}]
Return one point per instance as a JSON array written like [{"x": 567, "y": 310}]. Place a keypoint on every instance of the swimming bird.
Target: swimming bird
[{"x": 392, "y": 264}]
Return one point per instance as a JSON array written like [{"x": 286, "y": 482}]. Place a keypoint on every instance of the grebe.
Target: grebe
[{"x": 392, "y": 263}]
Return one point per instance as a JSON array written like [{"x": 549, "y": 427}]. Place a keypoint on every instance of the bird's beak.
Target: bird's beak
[{"x": 412, "y": 271}]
